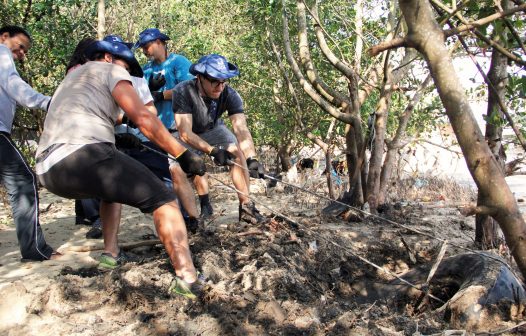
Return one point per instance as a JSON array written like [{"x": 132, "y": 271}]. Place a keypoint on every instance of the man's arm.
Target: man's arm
[
  {"x": 17, "y": 89},
  {"x": 147, "y": 122},
  {"x": 149, "y": 106},
  {"x": 184, "y": 126},
  {"x": 243, "y": 136}
]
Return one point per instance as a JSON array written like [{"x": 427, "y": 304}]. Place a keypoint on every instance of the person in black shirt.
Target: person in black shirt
[{"x": 198, "y": 105}]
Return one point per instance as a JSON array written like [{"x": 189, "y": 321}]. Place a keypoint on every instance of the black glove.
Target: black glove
[
  {"x": 157, "y": 96},
  {"x": 127, "y": 141},
  {"x": 255, "y": 169},
  {"x": 221, "y": 156},
  {"x": 191, "y": 163},
  {"x": 127, "y": 121},
  {"x": 156, "y": 82}
]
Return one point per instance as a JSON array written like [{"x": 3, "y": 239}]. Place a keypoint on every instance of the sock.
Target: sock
[{"x": 204, "y": 199}]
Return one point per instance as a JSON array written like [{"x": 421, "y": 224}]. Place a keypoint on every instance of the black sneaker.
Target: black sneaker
[
  {"x": 206, "y": 210},
  {"x": 250, "y": 214},
  {"x": 82, "y": 221},
  {"x": 94, "y": 233},
  {"x": 96, "y": 230},
  {"x": 192, "y": 224}
]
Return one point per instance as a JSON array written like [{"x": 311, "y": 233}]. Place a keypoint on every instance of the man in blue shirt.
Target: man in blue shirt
[
  {"x": 163, "y": 72},
  {"x": 15, "y": 174}
]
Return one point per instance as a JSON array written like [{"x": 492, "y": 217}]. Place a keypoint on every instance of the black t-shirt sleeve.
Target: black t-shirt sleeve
[
  {"x": 181, "y": 100},
  {"x": 234, "y": 103}
]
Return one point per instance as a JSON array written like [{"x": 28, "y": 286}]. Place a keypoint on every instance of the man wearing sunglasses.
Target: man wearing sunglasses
[{"x": 198, "y": 105}]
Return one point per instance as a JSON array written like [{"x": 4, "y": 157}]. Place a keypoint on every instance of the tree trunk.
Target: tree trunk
[
  {"x": 284, "y": 157},
  {"x": 425, "y": 35},
  {"x": 396, "y": 143},
  {"x": 486, "y": 233},
  {"x": 101, "y": 19}
]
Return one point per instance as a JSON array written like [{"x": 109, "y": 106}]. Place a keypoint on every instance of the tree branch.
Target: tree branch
[
  {"x": 403, "y": 42},
  {"x": 311, "y": 92},
  {"x": 321, "y": 87}
]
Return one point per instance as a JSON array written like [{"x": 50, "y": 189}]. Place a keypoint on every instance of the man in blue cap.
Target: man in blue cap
[
  {"x": 77, "y": 157},
  {"x": 163, "y": 72},
  {"x": 198, "y": 105},
  {"x": 15, "y": 174}
]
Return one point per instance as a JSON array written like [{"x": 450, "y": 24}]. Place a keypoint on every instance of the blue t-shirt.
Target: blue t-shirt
[{"x": 175, "y": 69}]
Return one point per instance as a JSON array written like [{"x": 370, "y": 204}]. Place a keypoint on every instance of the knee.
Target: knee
[
  {"x": 176, "y": 172},
  {"x": 236, "y": 150}
]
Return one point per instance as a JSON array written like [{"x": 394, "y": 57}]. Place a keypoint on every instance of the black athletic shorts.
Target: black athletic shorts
[{"x": 101, "y": 171}]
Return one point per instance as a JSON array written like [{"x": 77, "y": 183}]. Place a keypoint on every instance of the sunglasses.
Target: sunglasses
[{"x": 215, "y": 82}]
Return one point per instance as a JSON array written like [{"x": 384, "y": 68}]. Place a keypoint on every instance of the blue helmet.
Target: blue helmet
[
  {"x": 215, "y": 66},
  {"x": 118, "y": 50},
  {"x": 148, "y": 35},
  {"x": 117, "y": 39}
]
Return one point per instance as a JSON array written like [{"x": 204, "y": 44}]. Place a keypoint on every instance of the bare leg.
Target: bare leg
[
  {"x": 201, "y": 184},
  {"x": 110, "y": 215},
  {"x": 172, "y": 233},
  {"x": 239, "y": 175},
  {"x": 183, "y": 190}
]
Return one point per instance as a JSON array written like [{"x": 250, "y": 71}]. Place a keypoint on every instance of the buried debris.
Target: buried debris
[{"x": 479, "y": 289}]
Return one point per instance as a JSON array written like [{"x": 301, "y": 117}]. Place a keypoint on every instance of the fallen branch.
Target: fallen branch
[
  {"x": 249, "y": 233},
  {"x": 126, "y": 247},
  {"x": 471, "y": 210}
]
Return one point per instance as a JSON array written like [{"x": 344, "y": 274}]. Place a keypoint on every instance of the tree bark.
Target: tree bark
[
  {"x": 427, "y": 37},
  {"x": 486, "y": 233},
  {"x": 396, "y": 143}
]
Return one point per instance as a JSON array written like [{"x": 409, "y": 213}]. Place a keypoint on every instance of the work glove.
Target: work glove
[
  {"x": 127, "y": 141},
  {"x": 127, "y": 121},
  {"x": 156, "y": 82},
  {"x": 255, "y": 169},
  {"x": 221, "y": 156},
  {"x": 157, "y": 96},
  {"x": 191, "y": 163}
]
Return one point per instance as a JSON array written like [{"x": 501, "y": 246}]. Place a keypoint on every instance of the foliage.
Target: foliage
[{"x": 237, "y": 29}]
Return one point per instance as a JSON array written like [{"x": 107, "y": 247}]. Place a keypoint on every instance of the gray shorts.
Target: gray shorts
[{"x": 220, "y": 135}]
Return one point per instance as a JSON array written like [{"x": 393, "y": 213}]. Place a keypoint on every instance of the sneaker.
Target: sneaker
[
  {"x": 206, "y": 210},
  {"x": 94, "y": 233},
  {"x": 82, "y": 221},
  {"x": 96, "y": 230},
  {"x": 191, "y": 291},
  {"x": 192, "y": 224},
  {"x": 107, "y": 261},
  {"x": 250, "y": 214}
]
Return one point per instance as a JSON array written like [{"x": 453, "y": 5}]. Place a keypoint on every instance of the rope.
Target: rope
[
  {"x": 424, "y": 291},
  {"x": 365, "y": 260},
  {"x": 445, "y": 241}
]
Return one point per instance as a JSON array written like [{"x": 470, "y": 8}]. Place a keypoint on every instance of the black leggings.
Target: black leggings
[{"x": 101, "y": 171}]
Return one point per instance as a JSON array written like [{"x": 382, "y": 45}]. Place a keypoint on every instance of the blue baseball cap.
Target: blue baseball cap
[
  {"x": 119, "y": 50},
  {"x": 117, "y": 39},
  {"x": 148, "y": 35},
  {"x": 215, "y": 66}
]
